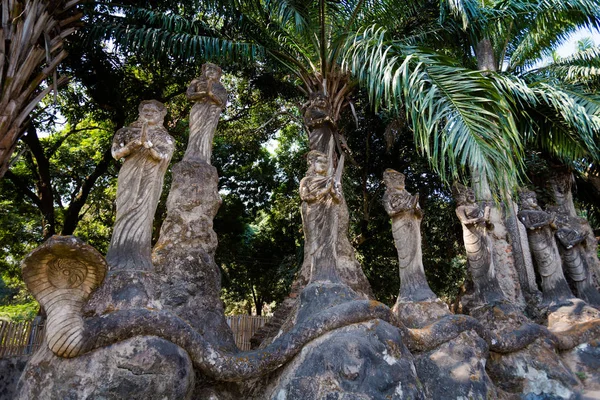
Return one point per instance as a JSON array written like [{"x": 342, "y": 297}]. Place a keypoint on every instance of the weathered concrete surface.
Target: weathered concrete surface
[
  {"x": 10, "y": 372},
  {"x": 418, "y": 314},
  {"x": 477, "y": 227},
  {"x": 362, "y": 361},
  {"x": 406, "y": 216},
  {"x": 456, "y": 370},
  {"x": 584, "y": 361},
  {"x": 536, "y": 370},
  {"x": 190, "y": 281},
  {"x": 139, "y": 368}
]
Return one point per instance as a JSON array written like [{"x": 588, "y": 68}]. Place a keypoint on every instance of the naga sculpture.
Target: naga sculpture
[
  {"x": 147, "y": 148},
  {"x": 475, "y": 224},
  {"x": 320, "y": 191},
  {"x": 61, "y": 274},
  {"x": 406, "y": 216},
  {"x": 210, "y": 98},
  {"x": 539, "y": 226}
]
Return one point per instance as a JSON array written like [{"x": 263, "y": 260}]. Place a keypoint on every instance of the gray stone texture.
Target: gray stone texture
[
  {"x": 561, "y": 191},
  {"x": 534, "y": 370},
  {"x": 547, "y": 260},
  {"x": 456, "y": 370},
  {"x": 190, "y": 280},
  {"x": 406, "y": 216},
  {"x": 362, "y": 361},
  {"x": 10, "y": 372},
  {"x": 140, "y": 368},
  {"x": 477, "y": 224},
  {"x": 505, "y": 265}
]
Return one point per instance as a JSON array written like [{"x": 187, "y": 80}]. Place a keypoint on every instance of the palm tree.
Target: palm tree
[
  {"x": 31, "y": 47},
  {"x": 456, "y": 114}
]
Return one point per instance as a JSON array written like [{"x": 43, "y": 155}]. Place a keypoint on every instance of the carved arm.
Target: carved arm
[{"x": 121, "y": 149}]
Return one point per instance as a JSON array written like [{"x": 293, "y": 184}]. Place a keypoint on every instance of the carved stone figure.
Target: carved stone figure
[
  {"x": 147, "y": 148},
  {"x": 561, "y": 183},
  {"x": 209, "y": 97},
  {"x": 61, "y": 274},
  {"x": 475, "y": 223},
  {"x": 184, "y": 255},
  {"x": 570, "y": 239},
  {"x": 539, "y": 226},
  {"x": 406, "y": 216},
  {"x": 321, "y": 194},
  {"x": 318, "y": 119}
]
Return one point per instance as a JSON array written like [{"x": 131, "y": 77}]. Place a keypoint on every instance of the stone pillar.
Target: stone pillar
[
  {"x": 560, "y": 186},
  {"x": 185, "y": 251},
  {"x": 505, "y": 242},
  {"x": 476, "y": 223},
  {"x": 539, "y": 226}
]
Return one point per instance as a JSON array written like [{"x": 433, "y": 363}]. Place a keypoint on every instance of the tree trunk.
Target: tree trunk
[
  {"x": 511, "y": 249},
  {"x": 43, "y": 183}
]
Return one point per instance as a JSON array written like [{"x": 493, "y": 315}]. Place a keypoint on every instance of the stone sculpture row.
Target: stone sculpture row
[{"x": 151, "y": 318}]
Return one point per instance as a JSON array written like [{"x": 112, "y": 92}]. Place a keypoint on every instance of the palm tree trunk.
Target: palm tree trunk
[
  {"x": 31, "y": 46},
  {"x": 511, "y": 249}
]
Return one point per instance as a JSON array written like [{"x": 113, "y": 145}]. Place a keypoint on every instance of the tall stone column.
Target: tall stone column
[
  {"x": 184, "y": 255},
  {"x": 417, "y": 305},
  {"x": 406, "y": 216},
  {"x": 510, "y": 252},
  {"x": 569, "y": 239},
  {"x": 147, "y": 149},
  {"x": 561, "y": 184},
  {"x": 539, "y": 226},
  {"x": 476, "y": 224}
]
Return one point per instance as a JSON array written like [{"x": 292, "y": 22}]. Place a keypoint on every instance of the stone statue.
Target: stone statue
[
  {"x": 147, "y": 148},
  {"x": 406, "y": 216},
  {"x": 560, "y": 183},
  {"x": 61, "y": 274},
  {"x": 321, "y": 194},
  {"x": 318, "y": 119},
  {"x": 209, "y": 97},
  {"x": 570, "y": 239},
  {"x": 539, "y": 226},
  {"x": 476, "y": 223}
]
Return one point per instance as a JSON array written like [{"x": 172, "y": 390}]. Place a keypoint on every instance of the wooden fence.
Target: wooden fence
[
  {"x": 23, "y": 338},
  {"x": 244, "y": 327},
  {"x": 20, "y": 338}
]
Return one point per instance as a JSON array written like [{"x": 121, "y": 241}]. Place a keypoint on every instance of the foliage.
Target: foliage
[
  {"x": 259, "y": 227},
  {"x": 20, "y": 312}
]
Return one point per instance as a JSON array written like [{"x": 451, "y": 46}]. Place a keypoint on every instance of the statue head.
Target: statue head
[
  {"x": 318, "y": 101},
  {"x": 393, "y": 179},
  {"x": 152, "y": 111},
  {"x": 463, "y": 194},
  {"x": 317, "y": 163},
  {"x": 528, "y": 199},
  {"x": 212, "y": 72},
  {"x": 561, "y": 184}
]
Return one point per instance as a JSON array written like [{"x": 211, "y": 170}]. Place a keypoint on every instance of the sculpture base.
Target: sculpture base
[
  {"x": 415, "y": 314},
  {"x": 139, "y": 368}
]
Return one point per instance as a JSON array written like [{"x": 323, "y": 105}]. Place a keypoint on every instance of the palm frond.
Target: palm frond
[
  {"x": 458, "y": 117},
  {"x": 561, "y": 120},
  {"x": 581, "y": 67}
]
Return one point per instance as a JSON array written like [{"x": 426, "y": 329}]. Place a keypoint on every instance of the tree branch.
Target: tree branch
[
  {"x": 78, "y": 199},
  {"x": 22, "y": 186}
]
